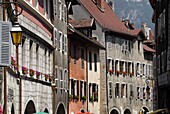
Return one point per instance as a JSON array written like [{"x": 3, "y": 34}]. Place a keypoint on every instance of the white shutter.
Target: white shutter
[
  {"x": 5, "y": 44},
  {"x": 56, "y": 35}
]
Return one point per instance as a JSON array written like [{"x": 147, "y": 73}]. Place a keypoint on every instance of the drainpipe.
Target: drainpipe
[
  {"x": 107, "y": 108},
  {"x": 5, "y": 81},
  {"x": 87, "y": 80}
]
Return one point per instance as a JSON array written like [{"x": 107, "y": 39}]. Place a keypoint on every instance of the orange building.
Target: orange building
[{"x": 79, "y": 44}]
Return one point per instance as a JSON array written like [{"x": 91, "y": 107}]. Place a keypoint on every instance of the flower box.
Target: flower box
[
  {"x": 131, "y": 74},
  {"x": 37, "y": 74},
  {"x": 46, "y": 77},
  {"x": 13, "y": 61},
  {"x": 91, "y": 98},
  {"x": 24, "y": 70},
  {"x": 124, "y": 73},
  {"x": 31, "y": 72},
  {"x": 76, "y": 97},
  {"x": 111, "y": 72},
  {"x": 83, "y": 98},
  {"x": 118, "y": 72}
]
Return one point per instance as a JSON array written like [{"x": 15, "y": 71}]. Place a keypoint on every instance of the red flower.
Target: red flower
[
  {"x": 124, "y": 72},
  {"x": 111, "y": 71}
]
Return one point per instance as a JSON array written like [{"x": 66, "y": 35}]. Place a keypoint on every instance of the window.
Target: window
[
  {"x": 90, "y": 60},
  {"x": 131, "y": 90},
  {"x": 117, "y": 67},
  {"x": 138, "y": 92},
  {"x": 117, "y": 90},
  {"x": 37, "y": 57},
  {"x": 113, "y": 66},
  {"x": 110, "y": 89},
  {"x": 138, "y": 46},
  {"x": 75, "y": 54},
  {"x": 95, "y": 92},
  {"x": 95, "y": 62},
  {"x": 65, "y": 13},
  {"x": 65, "y": 43},
  {"x": 24, "y": 51},
  {"x": 141, "y": 93},
  {"x": 121, "y": 66},
  {"x": 61, "y": 80},
  {"x": 144, "y": 91},
  {"x": 137, "y": 69},
  {"x": 108, "y": 64},
  {"x": 83, "y": 89},
  {"x": 59, "y": 9},
  {"x": 82, "y": 58},
  {"x": 76, "y": 87},
  {"x": 122, "y": 90},
  {"x": 60, "y": 41},
  {"x": 56, "y": 37}
]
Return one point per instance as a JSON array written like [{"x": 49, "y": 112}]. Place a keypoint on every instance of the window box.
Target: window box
[
  {"x": 70, "y": 96},
  {"x": 76, "y": 97},
  {"x": 111, "y": 72},
  {"x": 83, "y": 98},
  {"x": 37, "y": 74},
  {"x": 91, "y": 98},
  {"x": 31, "y": 71},
  {"x": 118, "y": 72},
  {"x": 24, "y": 70},
  {"x": 46, "y": 77}
]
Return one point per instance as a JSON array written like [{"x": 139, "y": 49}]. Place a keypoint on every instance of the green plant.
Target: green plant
[
  {"x": 76, "y": 97},
  {"x": 91, "y": 98},
  {"x": 96, "y": 99},
  {"x": 83, "y": 98},
  {"x": 70, "y": 96}
]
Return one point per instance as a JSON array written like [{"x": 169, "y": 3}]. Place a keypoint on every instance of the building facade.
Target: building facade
[
  {"x": 124, "y": 86},
  {"x": 31, "y": 92},
  {"x": 84, "y": 67},
  {"x": 161, "y": 19},
  {"x": 60, "y": 57}
]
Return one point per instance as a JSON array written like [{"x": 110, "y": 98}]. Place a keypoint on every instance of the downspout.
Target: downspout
[
  {"x": 68, "y": 58},
  {"x": 5, "y": 78},
  {"x": 87, "y": 85},
  {"x": 107, "y": 108}
]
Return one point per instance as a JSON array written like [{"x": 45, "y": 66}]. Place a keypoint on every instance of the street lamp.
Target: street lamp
[{"x": 16, "y": 34}]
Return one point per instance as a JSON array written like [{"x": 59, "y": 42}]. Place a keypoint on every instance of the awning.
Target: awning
[
  {"x": 159, "y": 111},
  {"x": 148, "y": 49},
  {"x": 40, "y": 113}
]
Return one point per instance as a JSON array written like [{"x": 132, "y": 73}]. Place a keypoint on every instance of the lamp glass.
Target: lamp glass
[{"x": 16, "y": 37}]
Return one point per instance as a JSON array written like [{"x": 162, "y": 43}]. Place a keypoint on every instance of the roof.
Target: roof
[
  {"x": 91, "y": 41},
  {"x": 148, "y": 49},
  {"x": 107, "y": 18},
  {"x": 82, "y": 23}
]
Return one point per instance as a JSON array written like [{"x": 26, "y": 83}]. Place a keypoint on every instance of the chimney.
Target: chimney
[
  {"x": 111, "y": 4},
  {"x": 100, "y": 3}
]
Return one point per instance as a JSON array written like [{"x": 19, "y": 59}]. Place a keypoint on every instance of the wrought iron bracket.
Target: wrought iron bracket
[{"x": 15, "y": 11}]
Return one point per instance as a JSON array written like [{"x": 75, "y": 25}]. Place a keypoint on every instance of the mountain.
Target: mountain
[{"x": 137, "y": 11}]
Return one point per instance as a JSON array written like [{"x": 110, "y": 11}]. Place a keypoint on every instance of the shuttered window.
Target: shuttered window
[{"x": 5, "y": 44}]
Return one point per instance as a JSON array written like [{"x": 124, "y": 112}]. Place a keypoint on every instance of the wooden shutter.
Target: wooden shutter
[{"x": 5, "y": 44}]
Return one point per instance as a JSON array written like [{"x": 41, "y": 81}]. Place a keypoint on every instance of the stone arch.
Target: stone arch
[
  {"x": 30, "y": 108},
  {"x": 114, "y": 111},
  {"x": 46, "y": 110},
  {"x": 144, "y": 110},
  {"x": 61, "y": 109},
  {"x": 127, "y": 111},
  {"x": 12, "y": 109}
]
